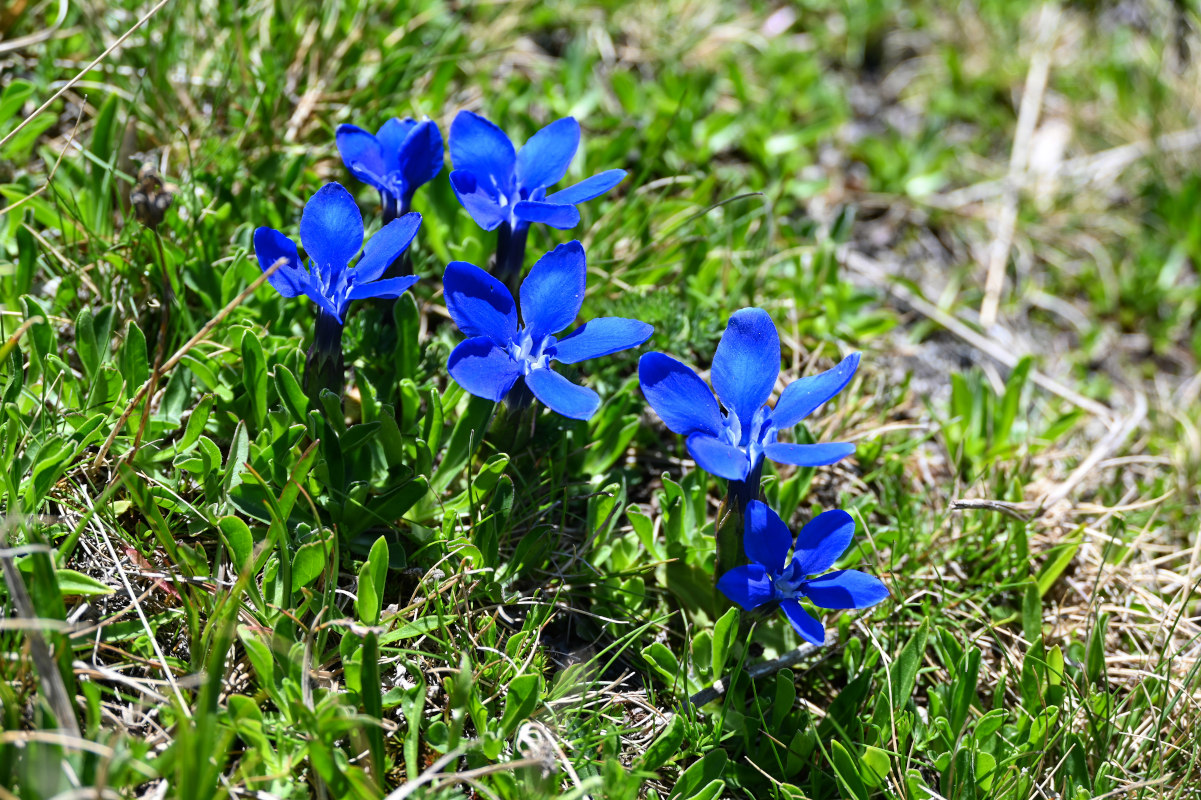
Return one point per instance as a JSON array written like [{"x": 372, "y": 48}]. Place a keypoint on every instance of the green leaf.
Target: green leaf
[
  {"x": 71, "y": 582},
  {"x": 663, "y": 661},
  {"x": 988, "y": 725},
  {"x": 197, "y": 421},
  {"x": 725, "y": 632},
  {"x": 1055, "y": 666},
  {"x": 1094, "y": 656},
  {"x": 902, "y": 676},
  {"x": 875, "y": 763},
  {"x": 1064, "y": 552},
  {"x": 371, "y": 583},
  {"x": 52, "y": 462},
  {"x": 135, "y": 363},
  {"x": 711, "y": 791},
  {"x": 291, "y": 394},
  {"x": 986, "y": 769},
  {"x": 1011, "y": 400},
  {"x": 700, "y": 774},
  {"x": 1032, "y": 612},
  {"x": 963, "y": 689},
  {"x": 384, "y": 508},
  {"x": 239, "y": 453},
  {"x": 14, "y": 97},
  {"x": 254, "y": 376},
  {"x": 310, "y": 561},
  {"x": 411, "y": 630},
  {"x": 846, "y": 771},
  {"x": 238, "y": 540},
  {"x": 408, "y": 339},
  {"x": 102, "y": 136},
  {"x": 664, "y": 748},
  {"x": 85, "y": 342},
  {"x": 358, "y": 435},
  {"x": 520, "y": 701}
]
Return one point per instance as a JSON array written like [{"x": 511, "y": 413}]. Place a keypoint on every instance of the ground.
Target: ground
[{"x": 212, "y": 588}]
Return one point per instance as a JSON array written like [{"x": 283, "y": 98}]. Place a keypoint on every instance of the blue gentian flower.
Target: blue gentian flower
[
  {"x": 506, "y": 188},
  {"x": 504, "y": 358},
  {"x": 731, "y": 440},
  {"x": 331, "y": 230},
  {"x": 774, "y": 578},
  {"x": 400, "y": 158}
]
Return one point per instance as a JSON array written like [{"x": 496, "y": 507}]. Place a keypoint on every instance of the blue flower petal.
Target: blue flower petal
[
  {"x": 718, "y": 458},
  {"x": 588, "y": 188},
  {"x": 483, "y": 369},
  {"x": 553, "y": 292},
  {"x": 826, "y": 537},
  {"x": 679, "y": 396},
  {"x": 561, "y": 395},
  {"x": 748, "y": 586},
  {"x": 746, "y": 363},
  {"x": 848, "y": 588},
  {"x": 389, "y": 287},
  {"x": 808, "y": 455},
  {"x": 478, "y": 303},
  {"x": 543, "y": 160},
  {"x": 601, "y": 337},
  {"x": 802, "y": 397},
  {"x": 483, "y": 207},
  {"x": 331, "y": 229},
  {"x": 767, "y": 540},
  {"x": 552, "y": 214},
  {"x": 421, "y": 154},
  {"x": 805, "y": 625},
  {"x": 361, "y": 154},
  {"x": 385, "y": 247},
  {"x": 391, "y": 136},
  {"x": 270, "y": 246},
  {"x": 481, "y": 148}
]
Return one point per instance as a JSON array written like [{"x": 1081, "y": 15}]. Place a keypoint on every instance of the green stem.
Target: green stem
[{"x": 730, "y": 549}]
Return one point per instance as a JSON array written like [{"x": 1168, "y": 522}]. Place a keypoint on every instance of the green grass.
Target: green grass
[{"x": 235, "y": 592}]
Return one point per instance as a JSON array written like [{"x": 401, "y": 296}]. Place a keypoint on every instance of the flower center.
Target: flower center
[
  {"x": 751, "y": 440},
  {"x": 790, "y": 583},
  {"x": 396, "y": 185},
  {"x": 531, "y": 354}
]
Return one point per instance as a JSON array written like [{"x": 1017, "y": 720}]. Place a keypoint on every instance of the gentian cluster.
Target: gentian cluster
[{"x": 513, "y": 342}]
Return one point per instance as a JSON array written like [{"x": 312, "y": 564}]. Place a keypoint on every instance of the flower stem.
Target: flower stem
[
  {"x": 744, "y": 491},
  {"x": 395, "y": 208},
  {"x": 324, "y": 367},
  {"x": 731, "y": 522},
  {"x": 512, "y": 427},
  {"x": 510, "y": 254},
  {"x": 730, "y": 549}
]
